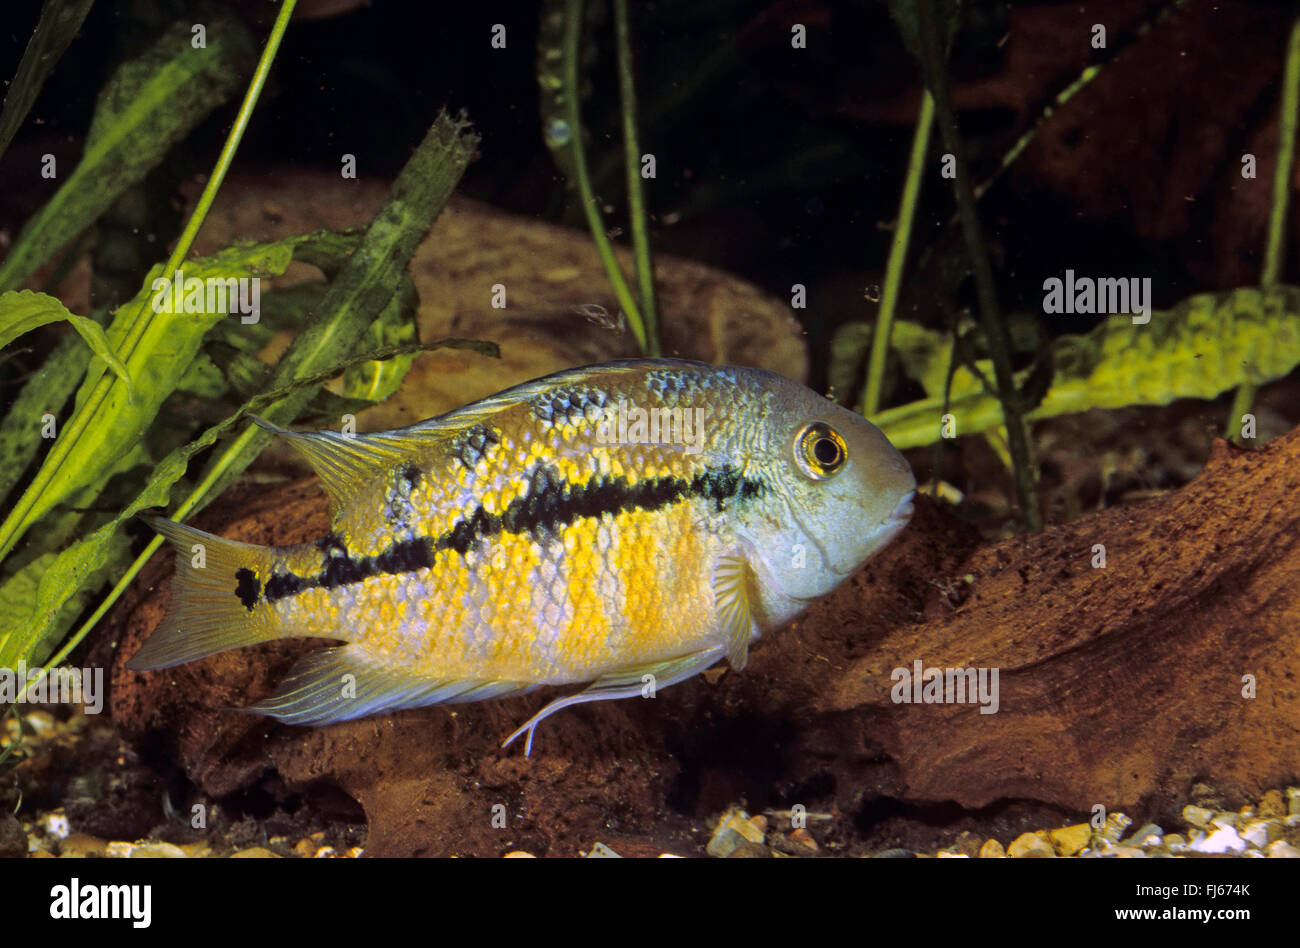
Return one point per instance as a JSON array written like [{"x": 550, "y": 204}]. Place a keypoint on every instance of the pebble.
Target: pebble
[
  {"x": 748, "y": 850},
  {"x": 1115, "y": 826},
  {"x": 256, "y": 852},
  {"x": 1293, "y": 801},
  {"x": 1148, "y": 835},
  {"x": 992, "y": 850},
  {"x": 601, "y": 851},
  {"x": 41, "y": 723},
  {"x": 13, "y": 841},
  {"x": 1272, "y": 806},
  {"x": 1222, "y": 840},
  {"x": 81, "y": 846},
  {"x": 55, "y": 824},
  {"x": 1281, "y": 849},
  {"x": 156, "y": 851},
  {"x": 1175, "y": 842},
  {"x": 1069, "y": 840},
  {"x": 519, "y": 854},
  {"x": 1259, "y": 833},
  {"x": 1031, "y": 846},
  {"x": 801, "y": 837},
  {"x": 1197, "y": 816},
  {"x": 734, "y": 828}
]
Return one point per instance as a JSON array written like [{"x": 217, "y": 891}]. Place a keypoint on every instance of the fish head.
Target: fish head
[{"x": 840, "y": 492}]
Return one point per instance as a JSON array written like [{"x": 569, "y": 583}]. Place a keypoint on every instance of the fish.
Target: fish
[{"x": 622, "y": 526}]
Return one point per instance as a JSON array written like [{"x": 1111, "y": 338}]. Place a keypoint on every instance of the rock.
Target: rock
[
  {"x": 748, "y": 850},
  {"x": 519, "y": 854},
  {"x": 256, "y": 852},
  {"x": 992, "y": 850},
  {"x": 118, "y": 850},
  {"x": 1069, "y": 840},
  {"x": 1031, "y": 846},
  {"x": 1281, "y": 849},
  {"x": 13, "y": 841},
  {"x": 1174, "y": 842},
  {"x": 601, "y": 851},
  {"x": 1293, "y": 801},
  {"x": 1223, "y": 840},
  {"x": 1126, "y": 852},
  {"x": 1225, "y": 821},
  {"x": 157, "y": 851},
  {"x": 1197, "y": 816},
  {"x": 1272, "y": 805}
]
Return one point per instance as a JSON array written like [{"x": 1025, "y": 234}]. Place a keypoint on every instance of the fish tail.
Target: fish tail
[{"x": 215, "y": 596}]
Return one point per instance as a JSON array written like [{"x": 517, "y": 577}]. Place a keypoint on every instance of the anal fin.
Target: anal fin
[{"x": 338, "y": 684}]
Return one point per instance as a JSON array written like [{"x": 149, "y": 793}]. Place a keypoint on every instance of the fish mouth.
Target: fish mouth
[{"x": 888, "y": 529}]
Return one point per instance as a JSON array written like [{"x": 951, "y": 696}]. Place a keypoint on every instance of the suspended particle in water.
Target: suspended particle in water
[
  {"x": 598, "y": 315},
  {"x": 558, "y": 133},
  {"x": 873, "y": 292},
  {"x": 614, "y": 233}
]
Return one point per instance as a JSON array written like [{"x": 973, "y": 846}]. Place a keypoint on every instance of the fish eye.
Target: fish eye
[{"x": 820, "y": 451}]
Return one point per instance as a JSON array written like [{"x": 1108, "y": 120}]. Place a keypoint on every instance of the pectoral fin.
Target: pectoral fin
[
  {"x": 623, "y": 683},
  {"x": 731, "y": 598}
]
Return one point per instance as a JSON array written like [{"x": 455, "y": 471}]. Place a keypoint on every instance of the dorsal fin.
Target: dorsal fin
[{"x": 346, "y": 463}]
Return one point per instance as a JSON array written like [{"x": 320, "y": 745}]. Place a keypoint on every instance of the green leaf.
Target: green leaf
[
  {"x": 35, "y": 613},
  {"x": 1199, "y": 349},
  {"x": 149, "y": 104},
  {"x": 45, "y": 392},
  {"x": 394, "y": 326},
  {"x": 23, "y": 310},
  {"x": 160, "y": 360},
  {"x": 59, "y": 22}
]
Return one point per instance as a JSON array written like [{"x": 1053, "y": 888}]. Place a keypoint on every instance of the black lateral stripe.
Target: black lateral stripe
[{"x": 549, "y": 506}]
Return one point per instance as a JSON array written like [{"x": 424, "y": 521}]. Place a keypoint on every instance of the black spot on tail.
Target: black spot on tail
[{"x": 247, "y": 588}]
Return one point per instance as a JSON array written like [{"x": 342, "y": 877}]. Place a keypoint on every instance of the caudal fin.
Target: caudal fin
[{"x": 215, "y": 599}]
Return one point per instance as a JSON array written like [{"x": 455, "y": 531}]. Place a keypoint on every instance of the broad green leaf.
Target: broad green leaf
[
  {"x": 1199, "y": 349},
  {"x": 34, "y": 603},
  {"x": 45, "y": 392},
  {"x": 160, "y": 360},
  {"x": 23, "y": 310},
  {"x": 149, "y": 104},
  {"x": 59, "y": 22}
]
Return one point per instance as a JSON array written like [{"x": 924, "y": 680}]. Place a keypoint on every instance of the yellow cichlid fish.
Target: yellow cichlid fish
[{"x": 599, "y": 525}]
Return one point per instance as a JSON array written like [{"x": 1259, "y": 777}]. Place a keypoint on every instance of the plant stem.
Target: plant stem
[
  {"x": 645, "y": 276},
  {"x": 898, "y": 255},
  {"x": 995, "y": 330},
  {"x": 572, "y": 39},
  {"x": 1276, "y": 243},
  {"x": 16, "y": 523}
]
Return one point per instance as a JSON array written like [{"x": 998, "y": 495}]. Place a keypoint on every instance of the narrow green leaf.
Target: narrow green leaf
[
  {"x": 394, "y": 326},
  {"x": 59, "y": 22},
  {"x": 149, "y": 104}
]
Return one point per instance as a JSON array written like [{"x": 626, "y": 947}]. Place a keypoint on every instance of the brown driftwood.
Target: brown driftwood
[{"x": 1120, "y": 685}]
